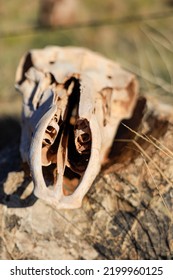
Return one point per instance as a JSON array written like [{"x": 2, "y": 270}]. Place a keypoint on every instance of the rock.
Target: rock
[{"x": 127, "y": 213}]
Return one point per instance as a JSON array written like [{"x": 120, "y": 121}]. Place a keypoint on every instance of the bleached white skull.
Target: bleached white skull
[{"x": 73, "y": 102}]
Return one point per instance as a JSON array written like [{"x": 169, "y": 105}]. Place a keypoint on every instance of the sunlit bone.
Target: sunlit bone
[{"x": 73, "y": 102}]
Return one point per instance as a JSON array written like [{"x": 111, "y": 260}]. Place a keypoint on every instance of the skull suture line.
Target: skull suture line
[{"x": 73, "y": 102}]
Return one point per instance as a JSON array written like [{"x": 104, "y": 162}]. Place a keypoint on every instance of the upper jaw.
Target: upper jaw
[{"x": 71, "y": 142}]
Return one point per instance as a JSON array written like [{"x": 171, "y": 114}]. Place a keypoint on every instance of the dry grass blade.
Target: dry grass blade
[
  {"x": 163, "y": 200},
  {"x": 159, "y": 37},
  {"x": 145, "y": 75},
  {"x": 159, "y": 50},
  {"x": 163, "y": 149},
  {"x": 145, "y": 156}
]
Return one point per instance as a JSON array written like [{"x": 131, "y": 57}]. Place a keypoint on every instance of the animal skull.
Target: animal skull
[{"x": 73, "y": 102}]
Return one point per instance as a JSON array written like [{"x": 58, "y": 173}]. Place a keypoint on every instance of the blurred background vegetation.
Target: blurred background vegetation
[{"x": 136, "y": 33}]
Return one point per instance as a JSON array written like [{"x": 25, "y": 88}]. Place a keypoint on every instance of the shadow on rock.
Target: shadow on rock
[{"x": 11, "y": 167}]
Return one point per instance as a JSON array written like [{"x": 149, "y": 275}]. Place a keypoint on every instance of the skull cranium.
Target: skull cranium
[{"x": 73, "y": 102}]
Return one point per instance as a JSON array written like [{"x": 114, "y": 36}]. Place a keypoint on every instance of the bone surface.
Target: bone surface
[{"x": 73, "y": 102}]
